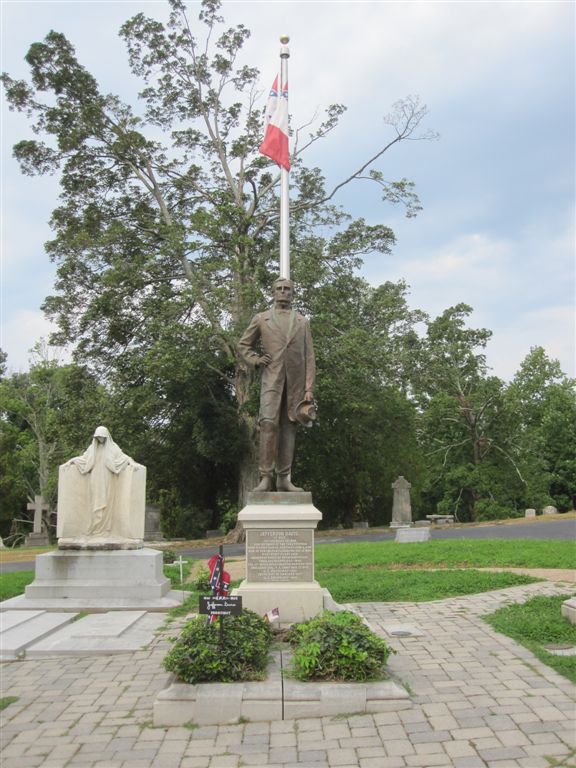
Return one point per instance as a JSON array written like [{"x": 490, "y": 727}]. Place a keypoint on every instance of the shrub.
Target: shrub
[
  {"x": 168, "y": 556},
  {"x": 197, "y": 656},
  {"x": 487, "y": 509},
  {"x": 202, "y": 579},
  {"x": 337, "y": 646}
]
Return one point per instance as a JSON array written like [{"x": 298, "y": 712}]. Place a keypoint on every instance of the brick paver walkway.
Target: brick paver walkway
[{"x": 480, "y": 700}]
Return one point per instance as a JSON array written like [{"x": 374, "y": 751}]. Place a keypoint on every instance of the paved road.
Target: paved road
[{"x": 559, "y": 530}]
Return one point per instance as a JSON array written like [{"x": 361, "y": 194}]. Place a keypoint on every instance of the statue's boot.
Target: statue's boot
[
  {"x": 285, "y": 456},
  {"x": 265, "y": 485},
  {"x": 267, "y": 455},
  {"x": 284, "y": 484}
]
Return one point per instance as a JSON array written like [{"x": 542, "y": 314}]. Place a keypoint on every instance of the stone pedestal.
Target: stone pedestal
[
  {"x": 280, "y": 556},
  {"x": 98, "y": 581},
  {"x": 37, "y": 540}
]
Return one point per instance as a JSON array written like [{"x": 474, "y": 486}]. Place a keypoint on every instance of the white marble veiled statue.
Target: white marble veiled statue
[{"x": 101, "y": 498}]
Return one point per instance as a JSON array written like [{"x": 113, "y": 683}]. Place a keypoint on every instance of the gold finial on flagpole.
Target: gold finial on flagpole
[{"x": 284, "y": 39}]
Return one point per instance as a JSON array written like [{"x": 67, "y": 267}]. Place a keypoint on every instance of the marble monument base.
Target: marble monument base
[
  {"x": 280, "y": 556},
  {"x": 69, "y": 580}
]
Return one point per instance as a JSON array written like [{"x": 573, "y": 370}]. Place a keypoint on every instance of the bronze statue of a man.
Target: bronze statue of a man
[{"x": 288, "y": 373}]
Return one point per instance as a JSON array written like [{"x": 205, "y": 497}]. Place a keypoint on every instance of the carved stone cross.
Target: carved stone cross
[
  {"x": 38, "y": 506},
  {"x": 401, "y": 507}
]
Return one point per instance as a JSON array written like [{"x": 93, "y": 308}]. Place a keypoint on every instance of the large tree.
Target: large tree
[
  {"x": 167, "y": 226},
  {"x": 466, "y": 429},
  {"x": 544, "y": 399}
]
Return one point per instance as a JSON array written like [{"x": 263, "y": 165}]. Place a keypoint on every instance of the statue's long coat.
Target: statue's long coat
[{"x": 292, "y": 366}]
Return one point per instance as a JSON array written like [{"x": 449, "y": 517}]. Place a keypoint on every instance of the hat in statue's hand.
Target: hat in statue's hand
[{"x": 306, "y": 413}]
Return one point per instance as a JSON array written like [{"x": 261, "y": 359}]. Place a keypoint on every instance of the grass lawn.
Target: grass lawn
[
  {"x": 448, "y": 553},
  {"x": 384, "y": 585},
  {"x": 538, "y": 623},
  {"x": 12, "y": 584}
]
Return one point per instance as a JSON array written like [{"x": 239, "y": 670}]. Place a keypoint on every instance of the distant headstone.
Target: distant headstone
[
  {"x": 407, "y": 535},
  {"x": 401, "y": 507},
  {"x": 422, "y": 523},
  {"x": 550, "y": 510},
  {"x": 361, "y": 524},
  {"x": 530, "y": 513},
  {"x": 152, "y": 530},
  {"x": 101, "y": 498},
  {"x": 38, "y": 537}
]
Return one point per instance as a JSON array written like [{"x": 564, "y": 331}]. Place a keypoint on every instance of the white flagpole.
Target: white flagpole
[{"x": 284, "y": 176}]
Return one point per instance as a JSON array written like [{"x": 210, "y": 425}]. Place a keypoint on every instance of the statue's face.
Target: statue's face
[
  {"x": 100, "y": 439},
  {"x": 283, "y": 293}
]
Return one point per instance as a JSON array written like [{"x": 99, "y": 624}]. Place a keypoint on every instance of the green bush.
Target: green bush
[
  {"x": 168, "y": 556},
  {"x": 337, "y": 646},
  {"x": 197, "y": 656},
  {"x": 487, "y": 509},
  {"x": 202, "y": 579}
]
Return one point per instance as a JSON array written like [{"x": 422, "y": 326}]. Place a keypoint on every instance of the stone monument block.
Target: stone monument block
[
  {"x": 550, "y": 510},
  {"x": 530, "y": 513},
  {"x": 407, "y": 535},
  {"x": 280, "y": 556},
  {"x": 401, "y": 506}
]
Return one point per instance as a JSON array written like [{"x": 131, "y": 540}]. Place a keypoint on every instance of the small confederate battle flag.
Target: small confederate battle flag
[{"x": 219, "y": 579}]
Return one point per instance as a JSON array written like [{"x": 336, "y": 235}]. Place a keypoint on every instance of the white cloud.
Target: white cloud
[
  {"x": 549, "y": 327},
  {"x": 20, "y": 332}
]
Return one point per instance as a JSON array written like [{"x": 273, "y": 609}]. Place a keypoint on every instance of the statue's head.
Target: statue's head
[
  {"x": 101, "y": 434},
  {"x": 283, "y": 291}
]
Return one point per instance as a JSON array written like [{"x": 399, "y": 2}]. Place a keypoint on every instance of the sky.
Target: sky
[{"x": 497, "y": 230}]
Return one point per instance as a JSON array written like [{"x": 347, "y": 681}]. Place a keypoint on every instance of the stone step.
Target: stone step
[
  {"x": 19, "y": 635},
  {"x": 100, "y": 634}
]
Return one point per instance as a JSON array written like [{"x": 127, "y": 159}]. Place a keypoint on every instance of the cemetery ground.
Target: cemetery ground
[{"x": 480, "y": 697}]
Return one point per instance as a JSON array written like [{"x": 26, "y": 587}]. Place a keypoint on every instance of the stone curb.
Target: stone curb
[{"x": 276, "y": 698}]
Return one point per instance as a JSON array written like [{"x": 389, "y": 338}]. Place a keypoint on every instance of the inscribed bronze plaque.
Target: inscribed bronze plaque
[{"x": 278, "y": 554}]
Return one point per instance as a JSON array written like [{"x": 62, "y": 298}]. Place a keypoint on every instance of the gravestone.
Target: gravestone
[
  {"x": 401, "y": 507},
  {"x": 530, "y": 513},
  {"x": 408, "y": 535},
  {"x": 280, "y": 555},
  {"x": 152, "y": 530},
  {"x": 39, "y": 536},
  {"x": 550, "y": 510}
]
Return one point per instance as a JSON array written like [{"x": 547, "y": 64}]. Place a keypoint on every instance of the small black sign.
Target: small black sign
[{"x": 221, "y": 606}]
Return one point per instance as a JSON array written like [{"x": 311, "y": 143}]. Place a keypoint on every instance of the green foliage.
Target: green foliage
[
  {"x": 168, "y": 556},
  {"x": 202, "y": 580},
  {"x": 337, "y": 646},
  {"x": 197, "y": 656},
  {"x": 382, "y": 585},
  {"x": 538, "y": 623},
  {"x": 13, "y": 584},
  {"x": 486, "y": 509}
]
